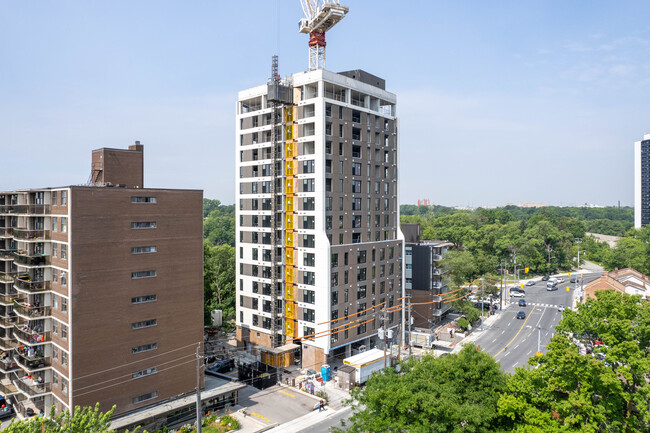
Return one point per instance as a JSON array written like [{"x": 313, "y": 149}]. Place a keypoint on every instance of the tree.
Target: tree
[
  {"x": 629, "y": 253},
  {"x": 219, "y": 285},
  {"x": 84, "y": 420},
  {"x": 573, "y": 392},
  {"x": 458, "y": 393}
]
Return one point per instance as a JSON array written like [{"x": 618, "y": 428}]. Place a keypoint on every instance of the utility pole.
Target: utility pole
[
  {"x": 199, "y": 418},
  {"x": 502, "y": 295},
  {"x": 578, "y": 241},
  {"x": 539, "y": 338},
  {"x": 482, "y": 281},
  {"x": 410, "y": 321},
  {"x": 385, "y": 331}
]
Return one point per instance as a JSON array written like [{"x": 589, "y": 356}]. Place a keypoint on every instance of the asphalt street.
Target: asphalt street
[{"x": 513, "y": 341}]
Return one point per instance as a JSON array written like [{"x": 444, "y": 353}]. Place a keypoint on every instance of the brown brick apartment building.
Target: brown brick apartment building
[{"x": 101, "y": 290}]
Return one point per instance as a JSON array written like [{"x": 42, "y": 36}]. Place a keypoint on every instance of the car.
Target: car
[
  {"x": 561, "y": 307},
  {"x": 559, "y": 279},
  {"x": 517, "y": 293},
  {"x": 545, "y": 278},
  {"x": 530, "y": 283},
  {"x": 223, "y": 366},
  {"x": 522, "y": 302},
  {"x": 7, "y": 411},
  {"x": 521, "y": 315},
  {"x": 551, "y": 287}
]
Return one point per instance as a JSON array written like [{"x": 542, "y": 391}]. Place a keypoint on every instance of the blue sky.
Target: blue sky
[{"x": 499, "y": 102}]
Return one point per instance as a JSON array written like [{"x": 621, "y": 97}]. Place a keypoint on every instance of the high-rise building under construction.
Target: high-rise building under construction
[{"x": 319, "y": 250}]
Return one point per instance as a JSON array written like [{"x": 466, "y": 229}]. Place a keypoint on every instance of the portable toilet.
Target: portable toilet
[{"x": 325, "y": 373}]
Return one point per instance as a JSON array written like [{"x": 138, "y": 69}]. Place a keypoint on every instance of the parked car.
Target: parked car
[
  {"x": 545, "y": 278},
  {"x": 223, "y": 366},
  {"x": 7, "y": 411},
  {"x": 521, "y": 315},
  {"x": 559, "y": 279},
  {"x": 517, "y": 293},
  {"x": 522, "y": 302}
]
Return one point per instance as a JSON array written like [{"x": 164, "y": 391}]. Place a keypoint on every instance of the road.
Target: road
[
  {"x": 513, "y": 341},
  {"x": 332, "y": 421}
]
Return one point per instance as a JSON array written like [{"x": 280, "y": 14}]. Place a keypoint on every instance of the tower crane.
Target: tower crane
[{"x": 320, "y": 17}]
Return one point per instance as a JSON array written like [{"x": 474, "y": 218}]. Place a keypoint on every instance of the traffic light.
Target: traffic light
[
  {"x": 507, "y": 272},
  {"x": 522, "y": 285},
  {"x": 568, "y": 288},
  {"x": 569, "y": 273}
]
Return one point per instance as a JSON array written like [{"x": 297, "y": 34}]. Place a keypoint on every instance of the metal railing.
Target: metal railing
[
  {"x": 31, "y": 312},
  {"x": 31, "y": 235},
  {"x": 32, "y": 389},
  {"x": 32, "y": 363},
  {"x": 36, "y": 260},
  {"x": 31, "y": 286},
  {"x": 30, "y": 209},
  {"x": 29, "y": 337}
]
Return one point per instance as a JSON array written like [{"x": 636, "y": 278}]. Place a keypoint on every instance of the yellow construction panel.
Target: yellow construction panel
[
  {"x": 289, "y": 240},
  {"x": 288, "y": 115},
  {"x": 289, "y": 189},
  {"x": 290, "y": 328},
  {"x": 289, "y": 205},
  {"x": 289, "y": 310},
  {"x": 288, "y": 292},
  {"x": 288, "y": 150},
  {"x": 288, "y": 133},
  {"x": 289, "y": 168},
  {"x": 289, "y": 257},
  {"x": 288, "y": 275}
]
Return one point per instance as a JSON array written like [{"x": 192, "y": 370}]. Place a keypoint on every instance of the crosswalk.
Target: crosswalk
[{"x": 535, "y": 304}]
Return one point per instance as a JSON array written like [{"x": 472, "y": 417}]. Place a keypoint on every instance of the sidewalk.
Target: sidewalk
[
  {"x": 479, "y": 330},
  {"x": 304, "y": 421},
  {"x": 249, "y": 424}
]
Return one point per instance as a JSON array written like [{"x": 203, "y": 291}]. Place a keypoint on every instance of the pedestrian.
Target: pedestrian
[
  {"x": 321, "y": 406},
  {"x": 437, "y": 336}
]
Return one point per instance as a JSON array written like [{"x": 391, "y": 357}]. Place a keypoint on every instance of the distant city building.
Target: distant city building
[
  {"x": 318, "y": 240},
  {"x": 424, "y": 277},
  {"x": 101, "y": 290},
  {"x": 626, "y": 280},
  {"x": 642, "y": 182},
  {"x": 532, "y": 205}
]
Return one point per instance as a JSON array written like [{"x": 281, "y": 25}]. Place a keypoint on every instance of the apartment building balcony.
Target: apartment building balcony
[
  {"x": 28, "y": 408},
  {"x": 7, "y": 277},
  {"x": 6, "y": 232},
  {"x": 30, "y": 386},
  {"x": 8, "y": 343},
  {"x": 436, "y": 271},
  {"x": 7, "y": 388},
  {"x": 26, "y": 284},
  {"x": 31, "y": 235},
  {"x": 28, "y": 209},
  {"x": 436, "y": 257},
  {"x": 8, "y": 364},
  {"x": 31, "y": 312},
  {"x": 30, "y": 337},
  {"x": 7, "y": 299},
  {"x": 33, "y": 261},
  {"x": 6, "y": 255},
  {"x": 8, "y": 321},
  {"x": 31, "y": 363}
]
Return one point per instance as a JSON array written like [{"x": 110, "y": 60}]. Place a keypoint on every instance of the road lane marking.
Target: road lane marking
[
  {"x": 260, "y": 416},
  {"x": 494, "y": 340},
  {"x": 517, "y": 345},
  {"x": 513, "y": 338},
  {"x": 286, "y": 393}
]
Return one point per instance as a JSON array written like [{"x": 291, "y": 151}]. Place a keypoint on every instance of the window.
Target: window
[
  {"x": 64, "y": 304},
  {"x": 309, "y": 259},
  {"x": 143, "y": 225},
  {"x": 64, "y": 251},
  {"x": 143, "y": 299},
  {"x": 55, "y": 224},
  {"x": 361, "y": 292},
  {"x": 308, "y": 222},
  {"x": 309, "y": 278},
  {"x": 308, "y": 241},
  {"x": 54, "y": 198},
  {"x": 361, "y": 274},
  {"x": 356, "y": 169},
  {"x": 361, "y": 256},
  {"x": 55, "y": 327},
  {"x": 356, "y": 151},
  {"x": 144, "y": 324},
  {"x": 356, "y": 204},
  {"x": 64, "y": 279},
  {"x": 356, "y": 186},
  {"x": 64, "y": 224},
  {"x": 64, "y": 384},
  {"x": 308, "y": 166},
  {"x": 308, "y": 203},
  {"x": 142, "y": 274},
  {"x": 55, "y": 250},
  {"x": 145, "y": 397},
  {"x": 335, "y": 298},
  {"x": 335, "y": 279},
  {"x": 64, "y": 198},
  {"x": 55, "y": 275},
  {"x": 64, "y": 332},
  {"x": 143, "y": 199},
  {"x": 144, "y": 348},
  {"x": 328, "y": 203},
  {"x": 308, "y": 185},
  {"x": 308, "y": 315},
  {"x": 309, "y": 296},
  {"x": 143, "y": 373},
  {"x": 55, "y": 378}
]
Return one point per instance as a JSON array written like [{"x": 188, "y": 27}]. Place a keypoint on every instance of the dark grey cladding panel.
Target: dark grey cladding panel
[
  {"x": 365, "y": 77},
  {"x": 421, "y": 271},
  {"x": 411, "y": 232}
]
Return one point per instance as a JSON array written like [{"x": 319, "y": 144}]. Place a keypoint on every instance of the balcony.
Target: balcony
[
  {"x": 29, "y": 312},
  {"x": 25, "y": 284},
  {"x": 8, "y": 364},
  {"x": 6, "y": 255},
  {"x": 29, "y": 337},
  {"x": 30, "y": 386},
  {"x": 437, "y": 257},
  {"x": 7, "y": 389},
  {"x": 8, "y": 300},
  {"x": 7, "y": 277},
  {"x": 8, "y": 343},
  {"x": 28, "y": 408},
  {"x": 435, "y": 271},
  {"x": 31, "y": 363},
  {"x": 7, "y": 321},
  {"x": 7, "y": 232},
  {"x": 31, "y": 235},
  {"x": 29, "y": 209},
  {"x": 32, "y": 261}
]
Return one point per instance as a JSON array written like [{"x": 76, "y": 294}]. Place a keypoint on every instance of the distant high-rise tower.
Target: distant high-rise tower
[
  {"x": 318, "y": 243},
  {"x": 642, "y": 182}
]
